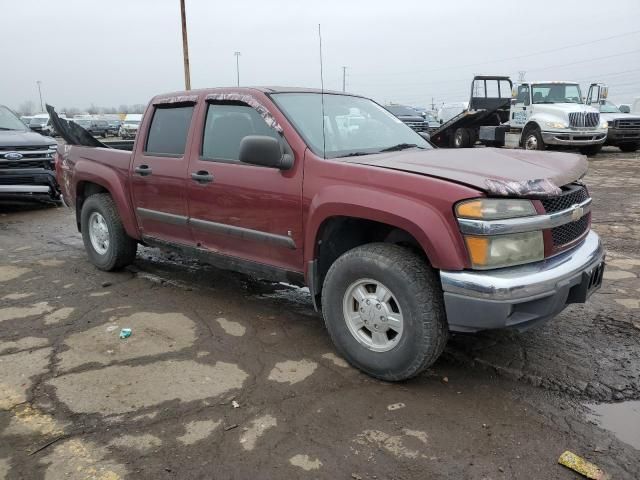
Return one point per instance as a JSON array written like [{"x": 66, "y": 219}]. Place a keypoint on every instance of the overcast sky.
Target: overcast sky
[{"x": 118, "y": 52}]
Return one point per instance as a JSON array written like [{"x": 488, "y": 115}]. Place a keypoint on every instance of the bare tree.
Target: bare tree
[
  {"x": 93, "y": 110},
  {"x": 26, "y": 108},
  {"x": 123, "y": 109}
]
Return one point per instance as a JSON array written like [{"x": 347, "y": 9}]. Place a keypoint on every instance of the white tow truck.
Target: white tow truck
[{"x": 530, "y": 115}]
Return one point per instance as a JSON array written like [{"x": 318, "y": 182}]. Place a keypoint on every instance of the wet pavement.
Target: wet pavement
[{"x": 228, "y": 377}]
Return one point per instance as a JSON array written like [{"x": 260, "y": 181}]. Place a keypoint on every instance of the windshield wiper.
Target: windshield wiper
[
  {"x": 355, "y": 154},
  {"x": 5, "y": 128},
  {"x": 400, "y": 146}
]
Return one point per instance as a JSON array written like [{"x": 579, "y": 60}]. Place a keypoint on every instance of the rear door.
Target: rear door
[
  {"x": 239, "y": 210},
  {"x": 159, "y": 172}
]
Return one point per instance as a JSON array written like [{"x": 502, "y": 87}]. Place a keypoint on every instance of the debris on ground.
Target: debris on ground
[
  {"x": 235, "y": 404},
  {"x": 106, "y": 284},
  {"x": 445, "y": 379},
  {"x": 125, "y": 333},
  {"x": 230, "y": 427},
  {"x": 582, "y": 466},
  {"x": 395, "y": 406}
]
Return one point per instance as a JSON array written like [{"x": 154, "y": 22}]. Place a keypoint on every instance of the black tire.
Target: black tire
[
  {"x": 461, "y": 138},
  {"x": 473, "y": 136},
  {"x": 532, "y": 139},
  {"x": 121, "y": 250},
  {"x": 418, "y": 293},
  {"x": 590, "y": 150},
  {"x": 629, "y": 147}
]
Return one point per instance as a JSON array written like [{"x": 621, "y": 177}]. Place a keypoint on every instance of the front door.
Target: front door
[
  {"x": 159, "y": 172},
  {"x": 238, "y": 210},
  {"x": 521, "y": 107}
]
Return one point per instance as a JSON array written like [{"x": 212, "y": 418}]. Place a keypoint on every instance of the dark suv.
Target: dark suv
[
  {"x": 26, "y": 160},
  {"x": 93, "y": 126},
  {"x": 410, "y": 116}
]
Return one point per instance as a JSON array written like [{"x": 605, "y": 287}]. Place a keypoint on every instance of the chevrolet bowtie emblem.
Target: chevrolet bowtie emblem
[{"x": 577, "y": 213}]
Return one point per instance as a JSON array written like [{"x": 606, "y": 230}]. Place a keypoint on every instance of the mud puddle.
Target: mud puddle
[{"x": 622, "y": 419}]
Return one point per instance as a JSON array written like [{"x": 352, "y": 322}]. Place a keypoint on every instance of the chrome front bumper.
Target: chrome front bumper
[
  {"x": 518, "y": 297},
  {"x": 574, "y": 138}
]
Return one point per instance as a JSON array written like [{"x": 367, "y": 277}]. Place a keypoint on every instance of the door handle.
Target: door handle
[
  {"x": 143, "y": 170},
  {"x": 202, "y": 176}
]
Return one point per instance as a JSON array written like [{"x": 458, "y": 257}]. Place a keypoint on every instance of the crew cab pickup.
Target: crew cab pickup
[{"x": 399, "y": 243}]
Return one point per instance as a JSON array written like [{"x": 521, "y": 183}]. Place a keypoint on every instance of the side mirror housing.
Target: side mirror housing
[
  {"x": 625, "y": 109},
  {"x": 264, "y": 151}
]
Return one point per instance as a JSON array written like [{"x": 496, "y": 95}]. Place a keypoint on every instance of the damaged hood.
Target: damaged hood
[{"x": 498, "y": 172}]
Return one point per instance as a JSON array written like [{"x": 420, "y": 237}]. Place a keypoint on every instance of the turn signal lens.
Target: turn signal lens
[
  {"x": 495, "y": 208},
  {"x": 505, "y": 250}
]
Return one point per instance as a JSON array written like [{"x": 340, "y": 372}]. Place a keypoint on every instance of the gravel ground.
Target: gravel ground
[{"x": 228, "y": 377}]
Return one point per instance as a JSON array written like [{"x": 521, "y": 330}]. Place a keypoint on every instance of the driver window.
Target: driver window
[
  {"x": 523, "y": 94},
  {"x": 225, "y": 127}
]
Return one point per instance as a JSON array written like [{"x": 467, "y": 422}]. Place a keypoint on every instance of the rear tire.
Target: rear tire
[
  {"x": 461, "y": 138},
  {"x": 532, "y": 140},
  {"x": 629, "y": 147},
  {"x": 404, "y": 334},
  {"x": 590, "y": 150},
  {"x": 105, "y": 239}
]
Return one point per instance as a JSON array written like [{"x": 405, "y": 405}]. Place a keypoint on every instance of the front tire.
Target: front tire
[
  {"x": 105, "y": 239},
  {"x": 629, "y": 147},
  {"x": 532, "y": 140},
  {"x": 591, "y": 150},
  {"x": 384, "y": 310},
  {"x": 461, "y": 138}
]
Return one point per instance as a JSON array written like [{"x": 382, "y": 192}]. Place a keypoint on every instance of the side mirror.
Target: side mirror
[
  {"x": 514, "y": 101},
  {"x": 264, "y": 151},
  {"x": 624, "y": 109}
]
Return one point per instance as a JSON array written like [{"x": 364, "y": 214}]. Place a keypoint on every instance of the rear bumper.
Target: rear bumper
[
  {"x": 574, "y": 138},
  {"x": 519, "y": 297}
]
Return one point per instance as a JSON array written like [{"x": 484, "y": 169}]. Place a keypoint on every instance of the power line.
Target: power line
[
  {"x": 584, "y": 61},
  {"x": 542, "y": 52}
]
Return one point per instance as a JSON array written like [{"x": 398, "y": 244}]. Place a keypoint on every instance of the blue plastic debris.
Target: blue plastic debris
[{"x": 125, "y": 333}]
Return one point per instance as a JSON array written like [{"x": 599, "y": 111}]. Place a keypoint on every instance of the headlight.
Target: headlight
[
  {"x": 494, "y": 208},
  {"x": 558, "y": 125},
  {"x": 604, "y": 124},
  {"x": 505, "y": 250}
]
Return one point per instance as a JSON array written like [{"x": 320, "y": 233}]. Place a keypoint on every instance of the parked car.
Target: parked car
[
  {"x": 623, "y": 129},
  {"x": 398, "y": 242},
  {"x": 97, "y": 128},
  {"x": 114, "y": 126},
  {"x": 38, "y": 122},
  {"x": 26, "y": 161},
  {"x": 26, "y": 119},
  {"x": 129, "y": 127},
  {"x": 409, "y": 116}
]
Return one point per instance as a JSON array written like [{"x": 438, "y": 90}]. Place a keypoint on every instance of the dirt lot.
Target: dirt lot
[{"x": 227, "y": 377}]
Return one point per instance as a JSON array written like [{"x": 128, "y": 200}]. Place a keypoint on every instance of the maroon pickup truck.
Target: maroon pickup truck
[{"x": 398, "y": 242}]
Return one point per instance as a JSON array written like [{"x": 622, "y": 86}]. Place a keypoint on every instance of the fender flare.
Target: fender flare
[
  {"x": 113, "y": 183},
  {"x": 436, "y": 233}
]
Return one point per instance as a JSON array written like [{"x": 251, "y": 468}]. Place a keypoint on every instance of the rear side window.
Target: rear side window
[
  {"x": 168, "y": 131},
  {"x": 225, "y": 127}
]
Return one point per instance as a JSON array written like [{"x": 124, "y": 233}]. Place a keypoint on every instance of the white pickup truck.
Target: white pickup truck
[{"x": 530, "y": 115}]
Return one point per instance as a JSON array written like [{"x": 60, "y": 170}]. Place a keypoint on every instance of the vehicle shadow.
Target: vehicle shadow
[{"x": 9, "y": 205}]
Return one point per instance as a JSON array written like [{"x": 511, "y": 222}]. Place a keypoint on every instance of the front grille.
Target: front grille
[
  {"x": 45, "y": 164},
  {"x": 418, "y": 126},
  {"x": 631, "y": 123},
  {"x": 18, "y": 180},
  {"x": 571, "y": 194},
  {"x": 22, "y": 149},
  {"x": 570, "y": 232},
  {"x": 584, "y": 119}
]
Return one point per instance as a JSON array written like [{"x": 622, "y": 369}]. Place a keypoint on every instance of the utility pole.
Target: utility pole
[
  {"x": 433, "y": 105},
  {"x": 344, "y": 78},
  {"x": 39, "y": 82},
  {"x": 237, "y": 54},
  {"x": 185, "y": 48}
]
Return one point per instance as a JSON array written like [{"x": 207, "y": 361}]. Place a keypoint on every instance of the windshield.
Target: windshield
[
  {"x": 38, "y": 121},
  {"x": 352, "y": 125},
  {"x": 402, "y": 110},
  {"x": 8, "y": 121},
  {"x": 556, "y": 93},
  {"x": 608, "y": 107}
]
